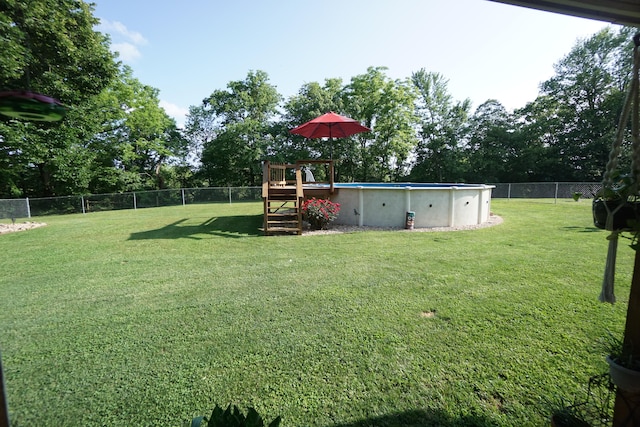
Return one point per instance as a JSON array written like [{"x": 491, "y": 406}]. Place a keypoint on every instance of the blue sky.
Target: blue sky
[{"x": 189, "y": 48}]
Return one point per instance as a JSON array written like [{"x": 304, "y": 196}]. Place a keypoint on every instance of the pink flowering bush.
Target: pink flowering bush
[{"x": 320, "y": 212}]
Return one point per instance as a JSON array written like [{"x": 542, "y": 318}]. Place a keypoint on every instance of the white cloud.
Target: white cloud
[
  {"x": 124, "y": 41},
  {"x": 175, "y": 111},
  {"x": 127, "y": 51},
  {"x": 118, "y": 28}
]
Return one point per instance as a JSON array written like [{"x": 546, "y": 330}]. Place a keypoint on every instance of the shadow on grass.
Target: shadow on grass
[
  {"x": 421, "y": 418},
  {"x": 582, "y": 229},
  {"x": 224, "y": 226}
]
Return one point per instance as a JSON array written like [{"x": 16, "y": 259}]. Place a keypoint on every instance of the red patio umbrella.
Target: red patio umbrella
[{"x": 330, "y": 125}]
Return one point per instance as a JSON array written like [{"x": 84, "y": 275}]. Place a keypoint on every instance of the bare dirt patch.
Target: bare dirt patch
[{"x": 19, "y": 226}]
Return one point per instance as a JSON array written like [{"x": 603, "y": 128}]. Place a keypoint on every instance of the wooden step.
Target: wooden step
[
  {"x": 292, "y": 223},
  {"x": 282, "y": 204},
  {"x": 272, "y": 217},
  {"x": 279, "y": 190},
  {"x": 282, "y": 201},
  {"x": 283, "y": 230},
  {"x": 282, "y": 221},
  {"x": 282, "y": 197},
  {"x": 282, "y": 212}
]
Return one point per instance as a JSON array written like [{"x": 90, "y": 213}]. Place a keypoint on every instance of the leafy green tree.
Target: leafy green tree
[
  {"x": 11, "y": 171},
  {"x": 540, "y": 126},
  {"x": 496, "y": 151},
  {"x": 311, "y": 101},
  {"x": 235, "y": 128},
  {"x": 201, "y": 128},
  {"x": 489, "y": 151},
  {"x": 46, "y": 159},
  {"x": 442, "y": 127},
  {"x": 118, "y": 140},
  {"x": 588, "y": 85},
  {"x": 49, "y": 46},
  {"x": 386, "y": 107},
  {"x": 18, "y": 151},
  {"x": 137, "y": 141},
  {"x": 151, "y": 136}
]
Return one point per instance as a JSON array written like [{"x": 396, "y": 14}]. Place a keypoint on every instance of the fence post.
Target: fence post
[
  {"x": 229, "y": 195},
  {"x": 509, "y": 192},
  {"x": 82, "y": 200},
  {"x": 182, "y": 191},
  {"x": 28, "y": 208},
  {"x": 135, "y": 202},
  {"x": 555, "y": 197}
]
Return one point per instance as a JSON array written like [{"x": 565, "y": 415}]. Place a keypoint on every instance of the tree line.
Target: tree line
[{"x": 117, "y": 138}]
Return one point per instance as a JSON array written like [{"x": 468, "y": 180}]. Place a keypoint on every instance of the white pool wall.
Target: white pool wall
[{"x": 434, "y": 206}]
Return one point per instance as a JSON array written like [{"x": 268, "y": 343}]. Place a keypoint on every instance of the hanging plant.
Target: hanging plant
[
  {"x": 616, "y": 207},
  {"x": 26, "y": 105},
  {"x": 620, "y": 194}
]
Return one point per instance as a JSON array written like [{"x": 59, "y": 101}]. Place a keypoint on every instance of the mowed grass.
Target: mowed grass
[{"x": 151, "y": 317}]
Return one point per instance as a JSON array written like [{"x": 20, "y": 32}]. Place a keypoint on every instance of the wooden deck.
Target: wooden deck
[{"x": 284, "y": 191}]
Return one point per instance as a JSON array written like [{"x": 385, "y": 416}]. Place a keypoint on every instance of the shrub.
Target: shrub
[{"x": 320, "y": 212}]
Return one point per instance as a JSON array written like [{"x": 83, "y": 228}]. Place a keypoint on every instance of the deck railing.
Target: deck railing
[{"x": 329, "y": 163}]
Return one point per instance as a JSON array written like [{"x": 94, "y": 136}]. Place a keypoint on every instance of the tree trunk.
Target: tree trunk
[
  {"x": 45, "y": 180},
  {"x": 159, "y": 177}
]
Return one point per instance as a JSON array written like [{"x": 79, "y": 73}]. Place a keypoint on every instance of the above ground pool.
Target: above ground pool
[{"x": 434, "y": 205}]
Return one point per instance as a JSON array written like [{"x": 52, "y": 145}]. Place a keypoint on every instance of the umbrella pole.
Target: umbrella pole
[
  {"x": 330, "y": 148},
  {"x": 330, "y": 141}
]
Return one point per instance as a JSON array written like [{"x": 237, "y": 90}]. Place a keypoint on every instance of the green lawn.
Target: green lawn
[{"x": 151, "y": 317}]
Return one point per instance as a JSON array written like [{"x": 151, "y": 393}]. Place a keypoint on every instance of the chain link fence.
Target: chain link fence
[
  {"x": 26, "y": 208},
  {"x": 546, "y": 190},
  {"x": 14, "y": 208}
]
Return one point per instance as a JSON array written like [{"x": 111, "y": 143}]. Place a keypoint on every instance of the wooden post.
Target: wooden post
[
  {"x": 4, "y": 407},
  {"x": 626, "y": 412}
]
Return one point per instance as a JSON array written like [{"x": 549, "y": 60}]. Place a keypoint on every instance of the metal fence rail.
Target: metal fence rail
[
  {"x": 14, "y": 208},
  {"x": 26, "y": 208},
  {"x": 545, "y": 190}
]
